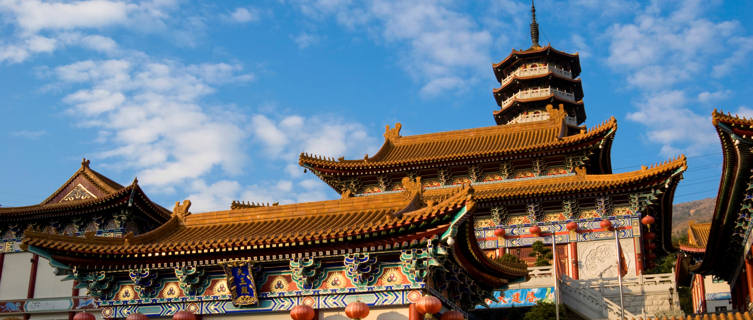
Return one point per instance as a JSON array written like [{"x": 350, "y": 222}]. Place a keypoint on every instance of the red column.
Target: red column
[
  {"x": 638, "y": 256},
  {"x": 749, "y": 278},
  {"x": 32, "y": 281},
  {"x": 573, "y": 255},
  {"x": 74, "y": 293},
  {"x": 413, "y": 313},
  {"x": 2, "y": 261},
  {"x": 702, "y": 292}
]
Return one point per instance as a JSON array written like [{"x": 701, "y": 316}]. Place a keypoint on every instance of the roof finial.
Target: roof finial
[
  {"x": 85, "y": 163},
  {"x": 534, "y": 28}
]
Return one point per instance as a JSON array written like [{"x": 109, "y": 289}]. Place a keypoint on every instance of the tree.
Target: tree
[
  {"x": 665, "y": 265},
  {"x": 542, "y": 253}
]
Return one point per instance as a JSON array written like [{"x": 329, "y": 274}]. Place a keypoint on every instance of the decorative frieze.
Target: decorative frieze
[
  {"x": 415, "y": 264},
  {"x": 193, "y": 280},
  {"x": 505, "y": 170},
  {"x": 604, "y": 206},
  {"x": 571, "y": 209},
  {"x": 98, "y": 284},
  {"x": 306, "y": 272},
  {"x": 534, "y": 210},
  {"x": 499, "y": 215},
  {"x": 146, "y": 282},
  {"x": 361, "y": 268}
]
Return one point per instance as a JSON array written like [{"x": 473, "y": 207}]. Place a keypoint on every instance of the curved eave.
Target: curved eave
[
  {"x": 735, "y": 138},
  {"x": 82, "y": 207},
  {"x": 409, "y": 227},
  {"x": 323, "y": 167},
  {"x": 517, "y": 55},
  {"x": 557, "y": 80},
  {"x": 486, "y": 272}
]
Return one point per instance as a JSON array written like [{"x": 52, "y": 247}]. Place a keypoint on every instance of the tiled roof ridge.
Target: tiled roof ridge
[
  {"x": 532, "y": 50},
  {"x": 175, "y": 225},
  {"x": 554, "y": 123},
  {"x": 719, "y": 116},
  {"x": 96, "y": 178},
  {"x": 71, "y": 203}
]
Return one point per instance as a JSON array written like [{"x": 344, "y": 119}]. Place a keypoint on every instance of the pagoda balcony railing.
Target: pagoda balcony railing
[
  {"x": 540, "y": 116},
  {"x": 537, "y": 70},
  {"x": 538, "y": 93}
]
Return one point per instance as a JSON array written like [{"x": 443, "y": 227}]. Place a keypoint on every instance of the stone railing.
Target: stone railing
[
  {"x": 538, "y": 70},
  {"x": 46, "y": 305},
  {"x": 538, "y": 92}
]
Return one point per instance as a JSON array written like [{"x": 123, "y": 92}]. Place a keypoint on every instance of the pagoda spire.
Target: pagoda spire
[{"x": 534, "y": 28}]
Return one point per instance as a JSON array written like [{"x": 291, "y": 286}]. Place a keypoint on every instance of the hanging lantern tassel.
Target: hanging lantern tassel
[
  {"x": 648, "y": 221},
  {"x": 428, "y": 305}
]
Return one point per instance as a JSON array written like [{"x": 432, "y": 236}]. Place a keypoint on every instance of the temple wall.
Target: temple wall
[
  {"x": 49, "y": 285},
  {"x": 15, "y": 278}
]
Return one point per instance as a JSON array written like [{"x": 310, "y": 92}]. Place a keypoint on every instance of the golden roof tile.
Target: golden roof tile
[{"x": 464, "y": 144}]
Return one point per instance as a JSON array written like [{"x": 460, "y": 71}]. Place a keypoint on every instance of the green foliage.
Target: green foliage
[
  {"x": 508, "y": 259},
  {"x": 665, "y": 265},
  {"x": 542, "y": 253},
  {"x": 686, "y": 299},
  {"x": 545, "y": 310},
  {"x": 679, "y": 238}
]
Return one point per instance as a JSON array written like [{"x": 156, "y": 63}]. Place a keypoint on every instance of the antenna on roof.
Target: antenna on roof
[{"x": 534, "y": 28}]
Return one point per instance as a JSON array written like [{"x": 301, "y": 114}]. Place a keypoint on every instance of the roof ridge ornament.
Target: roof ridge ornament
[
  {"x": 534, "y": 28},
  {"x": 393, "y": 133},
  {"x": 85, "y": 163},
  {"x": 181, "y": 210}
]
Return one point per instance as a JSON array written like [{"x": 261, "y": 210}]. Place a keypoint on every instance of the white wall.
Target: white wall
[
  {"x": 49, "y": 285},
  {"x": 598, "y": 259},
  {"x": 15, "y": 278}
]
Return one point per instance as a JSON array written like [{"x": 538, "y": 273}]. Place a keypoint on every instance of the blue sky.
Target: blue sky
[{"x": 213, "y": 101}]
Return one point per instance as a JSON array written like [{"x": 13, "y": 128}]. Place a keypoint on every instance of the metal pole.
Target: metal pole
[
  {"x": 619, "y": 273},
  {"x": 556, "y": 280}
]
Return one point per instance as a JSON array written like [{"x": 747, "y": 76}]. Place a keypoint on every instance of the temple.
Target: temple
[
  {"x": 87, "y": 203},
  {"x": 438, "y": 223}
]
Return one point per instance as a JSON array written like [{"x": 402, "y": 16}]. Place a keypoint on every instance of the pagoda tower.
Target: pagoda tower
[{"x": 533, "y": 78}]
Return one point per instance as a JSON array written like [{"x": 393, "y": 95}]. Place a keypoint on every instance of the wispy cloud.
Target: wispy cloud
[
  {"x": 661, "y": 54},
  {"x": 244, "y": 15},
  {"x": 442, "y": 49},
  {"x": 29, "y": 134},
  {"x": 305, "y": 40}
]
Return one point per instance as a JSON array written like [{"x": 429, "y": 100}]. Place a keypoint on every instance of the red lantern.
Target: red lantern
[
  {"x": 84, "y": 316},
  {"x": 357, "y": 310},
  {"x": 606, "y": 224},
  {"x": 572, "y": 225},
  {"x": 452, "y": 315},
  {"x": 651, "y": 256},
  {"x": 499, "y": 232},
  {"x": 184, "y": 315},
  {"x": 429, "y": 304},
  {"x": 302, "y": 312},
  {"x": 652, "y": 246},
  {"x": 137, "y": 316},
  {"x": 535, "y": 230},
  {"x": 648, "y": 220},
  {"x": 650, "y": 236}
]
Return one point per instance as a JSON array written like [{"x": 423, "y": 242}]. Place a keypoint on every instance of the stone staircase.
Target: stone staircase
[{"x": 599, "y": 298}]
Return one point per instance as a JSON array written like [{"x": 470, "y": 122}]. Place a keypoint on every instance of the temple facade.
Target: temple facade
[
  {"x": 88, "y": 203},
  {"x": 448, "y": 215}
]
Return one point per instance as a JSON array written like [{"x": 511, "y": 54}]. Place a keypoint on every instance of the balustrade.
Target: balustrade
[{"x": 539, "y": 69}]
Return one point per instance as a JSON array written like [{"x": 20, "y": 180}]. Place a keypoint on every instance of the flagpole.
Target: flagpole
[
  {"x": 619, "y": 273},
  {"x": 556, "y": 282}
]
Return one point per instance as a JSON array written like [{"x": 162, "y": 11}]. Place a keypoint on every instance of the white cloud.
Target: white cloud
[
  {"x": 243, "y": 15},
  {"x": 305, "y": 40},
  {"x": 34, "y": 15},
  {"x": 672, "y": 124},
  {"x": 154, "y": 117},
  {"x": 442, "y": 49},
  {"x": 662, "y": 53},
  {"x": 29, "y": 134}
]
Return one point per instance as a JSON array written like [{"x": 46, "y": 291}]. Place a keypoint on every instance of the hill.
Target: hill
[{"x": 698, "y": 210}]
